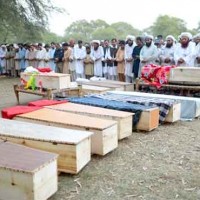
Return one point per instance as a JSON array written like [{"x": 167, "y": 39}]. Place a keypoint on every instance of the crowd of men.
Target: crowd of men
[{"x": 115, "y": 60}]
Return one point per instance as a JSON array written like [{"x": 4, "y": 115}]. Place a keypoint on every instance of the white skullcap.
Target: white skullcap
[
  {"x": 3, "y": 46},
  {"x": 130, "y": 37},
  {"x": 96, "y": 41},
  {"x": 197, "y": 36},
  {"x": 186, "y": 34},
  {"x": 170, "y": 37},
  {"x": 149, "y": 37}
]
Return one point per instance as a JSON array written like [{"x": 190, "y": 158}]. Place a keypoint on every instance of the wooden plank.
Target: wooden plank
[
  {"x": 124, "y": 119},
  {"x": 73, "y": 121},
  {"x": 72, "y": 146},
  {"x": 90, "y": 89},
  {"x": 26, "y": 173},
  {"x": 49, "y": 80},
  {"x": 185, "y": 75}
]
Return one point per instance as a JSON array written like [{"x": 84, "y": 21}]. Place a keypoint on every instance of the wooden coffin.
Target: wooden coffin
[
  {"x": 124, "y": 119},
  {"x": 149, "y": 120},
  {"x": 174, "y": 114},
  {"x": 104, "y": 84},
  {"x": 126, "y": 86},
  {"x": 90, "y": 89},
  {"x": 26, "y": 174},
  {"x": 72, "y": 146},
  {"x": 104, "y": 139},
  {"x": 185, "y": 75},
  {"x": 49, "y": 80}
]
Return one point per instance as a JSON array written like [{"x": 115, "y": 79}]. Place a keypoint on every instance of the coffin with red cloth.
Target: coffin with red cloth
[
  {"x": 156, "y": 75},
  {"x": 10, "y": 113}
]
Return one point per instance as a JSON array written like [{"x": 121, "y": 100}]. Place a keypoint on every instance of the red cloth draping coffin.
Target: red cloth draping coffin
[{"x": 10, "y": 113}]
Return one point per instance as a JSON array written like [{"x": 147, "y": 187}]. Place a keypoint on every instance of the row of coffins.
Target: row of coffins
[{"x": 71, "y": 132}]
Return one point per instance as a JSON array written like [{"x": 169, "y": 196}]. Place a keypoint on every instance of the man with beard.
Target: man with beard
[
  {"x": 184, "y": 54},
  {"x": 149, "y": 52},
  {"x": 79, "y": 55},
  {"x": 167, "y": 52},
  {"x": 197, "y": 50},
  {"x": 106, "y": 60},
  {"x": 136, "y": 57},
  {"x": 52, "y": 50},
  {"x": 97, "y": 55},
  {"x": 41, "y": 55},
  {"x": 112, "y": 71},
  {"x": 67, "y": 54},
  {"x": 128, "y": 58}
]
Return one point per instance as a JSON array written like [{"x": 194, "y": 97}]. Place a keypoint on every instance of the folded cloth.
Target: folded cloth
[
  {"x": 10, "y": 113},
  {"x": 45, "y": 102}
]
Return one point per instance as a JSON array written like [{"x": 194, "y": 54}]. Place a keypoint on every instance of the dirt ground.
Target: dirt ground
[{"x": 163, "y": 164}]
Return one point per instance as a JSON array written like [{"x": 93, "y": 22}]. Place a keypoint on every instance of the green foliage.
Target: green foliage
[
  {"x": 98, "y": 29},
  {"x": 23, "y": 20},
  {"x": 165, "y": 25}
]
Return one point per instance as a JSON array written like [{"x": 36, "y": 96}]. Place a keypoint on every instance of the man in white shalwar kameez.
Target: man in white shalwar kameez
[
  {"x": 197, "y": 50},
  {"x": 128, "y": 58},
  {"x": 79, "y": 55},
  {"x": 51, "y": 53},
  {"x": 97, "y": 55},
  {"x": 41, "y": 55},
  {"x": 26, "y": 64},
  {"x": 148, "y": 53},
  {"x": 3, "y": 51},
  {"x": 167, "y": 52},
  {"x": 106, "y": 59},
  {"x": 184, "y": 54}
]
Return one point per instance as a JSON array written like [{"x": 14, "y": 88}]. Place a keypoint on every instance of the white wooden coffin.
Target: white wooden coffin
[
  {"x": 26, "y": 174},
  {"x": 49, "y": 80},
  {"x": 72, "y": 146}
]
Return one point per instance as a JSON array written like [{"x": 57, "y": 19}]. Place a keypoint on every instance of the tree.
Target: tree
[
  {"x": 123, "y": 29},
  {"x": 166, "y": 25},
  {"x": 24, "y": 18},
  {"x": 105, "y": 33}
]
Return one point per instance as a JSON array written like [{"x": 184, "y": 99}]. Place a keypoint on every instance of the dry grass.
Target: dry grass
[{"x": 161, "y": 165}]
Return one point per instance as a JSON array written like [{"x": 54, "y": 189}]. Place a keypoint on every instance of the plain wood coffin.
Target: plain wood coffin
[
  {"x": 174, "y": 114},
  {"x": 149, "y": 120},
  {"x": 185, "y": 75},
  {"x": 49, "y": 80},
  {"x": 90, "y": 89},
  {"x": 72, "y": 146},
  {"x": 103, "y": 84},
  {"x": 126, "y": 86},
  {"x": 124, "y": 119},
  {"x": 26, "y": 174},
  {"x": 190, "y": 107},
  {"x": 104, "y": 139}
]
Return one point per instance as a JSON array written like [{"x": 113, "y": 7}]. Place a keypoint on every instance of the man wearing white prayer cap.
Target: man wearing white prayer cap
[
  {"x": 167, "y": 52},
  {"x": 148, "y": 53},
  {"x": 97, "y": 55},
  {"x": 130, "y": 39},
  {"x": 196, "y": 39},
  {"x": 184, "y": 54}
]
